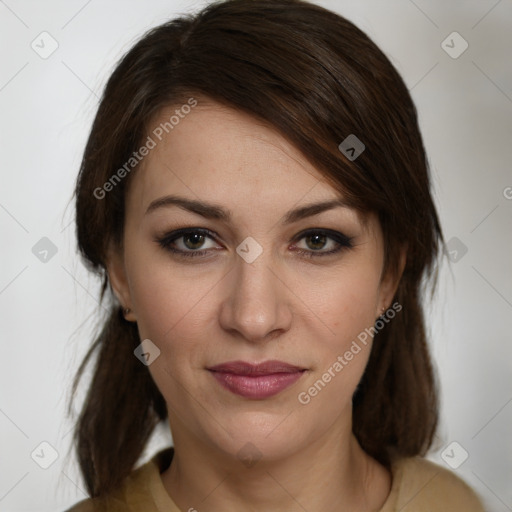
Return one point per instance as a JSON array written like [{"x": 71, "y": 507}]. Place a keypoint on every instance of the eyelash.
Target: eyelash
[{"x": 343, "y": 242}]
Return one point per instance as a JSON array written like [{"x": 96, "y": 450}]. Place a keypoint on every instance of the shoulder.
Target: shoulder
[
  {"x": 137, "y": 492},
  {"x": 107, "y": 504},
  {"x": 421, "y": 485},
  {"x": 117, "y": 501}
]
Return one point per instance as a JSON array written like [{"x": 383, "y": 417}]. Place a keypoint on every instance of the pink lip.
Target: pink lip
[{"x": 256, "y": 381}]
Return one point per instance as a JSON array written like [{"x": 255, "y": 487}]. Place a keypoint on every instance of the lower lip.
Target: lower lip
[{"x": 257, "y": 387}]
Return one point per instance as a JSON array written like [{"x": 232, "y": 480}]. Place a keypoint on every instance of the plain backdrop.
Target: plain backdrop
[{"x": 47, "y": 299}]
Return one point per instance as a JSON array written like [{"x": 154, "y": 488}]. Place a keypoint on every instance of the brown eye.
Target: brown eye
[
  {"x": 193, "y": 241},
  {"x": 322, "y": 242},
  {"x": 189, "y": 242},
  {"x": 316, "y": 242}
]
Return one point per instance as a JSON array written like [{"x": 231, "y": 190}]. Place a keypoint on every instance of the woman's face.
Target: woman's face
[{"x": 273, "y": 268}]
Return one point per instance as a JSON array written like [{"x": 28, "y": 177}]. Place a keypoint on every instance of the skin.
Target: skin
[{"x": 211, "y": 309}]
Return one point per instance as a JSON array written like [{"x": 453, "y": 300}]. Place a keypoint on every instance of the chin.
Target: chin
[{"x": 254, "y": 436}]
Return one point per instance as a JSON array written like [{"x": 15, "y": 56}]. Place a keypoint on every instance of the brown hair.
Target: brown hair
[{"x": 317, "y": 78}]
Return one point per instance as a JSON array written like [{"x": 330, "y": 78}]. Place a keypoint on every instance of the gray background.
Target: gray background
[{"x": 47, "y": 105}]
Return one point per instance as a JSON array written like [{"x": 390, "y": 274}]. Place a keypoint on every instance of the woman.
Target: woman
[{"x": 255, "y": 195}]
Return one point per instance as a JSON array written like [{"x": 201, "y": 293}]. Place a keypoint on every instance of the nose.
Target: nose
[{"x": 257, "y": 307}]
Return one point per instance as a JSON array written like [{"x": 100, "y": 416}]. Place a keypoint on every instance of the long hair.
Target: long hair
[{"x": 317, "y": 79}]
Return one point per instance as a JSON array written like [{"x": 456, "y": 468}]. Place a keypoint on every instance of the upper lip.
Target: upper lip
[{"x": 264, "y": 368}]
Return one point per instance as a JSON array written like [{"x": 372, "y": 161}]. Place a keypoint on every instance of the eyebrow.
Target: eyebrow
[{"x": 212, "y": 211}]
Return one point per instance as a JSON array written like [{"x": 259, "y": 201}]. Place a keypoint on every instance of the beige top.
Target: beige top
[{"x": 418, "y": 486}]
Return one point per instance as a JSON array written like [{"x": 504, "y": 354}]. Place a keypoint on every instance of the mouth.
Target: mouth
[{"x": 256, "y": 381}]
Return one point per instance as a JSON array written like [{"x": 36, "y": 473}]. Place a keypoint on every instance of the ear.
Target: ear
[
  {"x": 116, "y": 272},
  {"x": 390, "y": 281}
]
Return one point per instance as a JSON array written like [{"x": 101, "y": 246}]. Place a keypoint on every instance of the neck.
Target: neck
[{"x": 325, "y": 475}]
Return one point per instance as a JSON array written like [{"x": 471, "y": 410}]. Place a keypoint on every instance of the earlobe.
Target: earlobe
[{"x": 119, "y": 283}]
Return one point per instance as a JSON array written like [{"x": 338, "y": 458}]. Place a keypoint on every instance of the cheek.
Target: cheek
[
  {"x": 172, "y": 311},
  {"x": 175, "y": 308},
  {"x": 341, "y": 359},
  {"x": 345, "y": 303},
  {"x": 347, "y": 307},
  {"x": 179, "y": 302},
  {"x": 166, "y": 296}
]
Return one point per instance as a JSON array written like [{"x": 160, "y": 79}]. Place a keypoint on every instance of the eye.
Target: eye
[
  {"x": 188, "y": 242},
  {"x": 322, "y": 242},
  {"x": 199, "y": 242}
]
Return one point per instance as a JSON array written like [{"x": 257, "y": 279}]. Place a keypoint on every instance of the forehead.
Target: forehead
[
  {"x": 220, "y": 154},
  {"x": 214, "y": 147}
]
